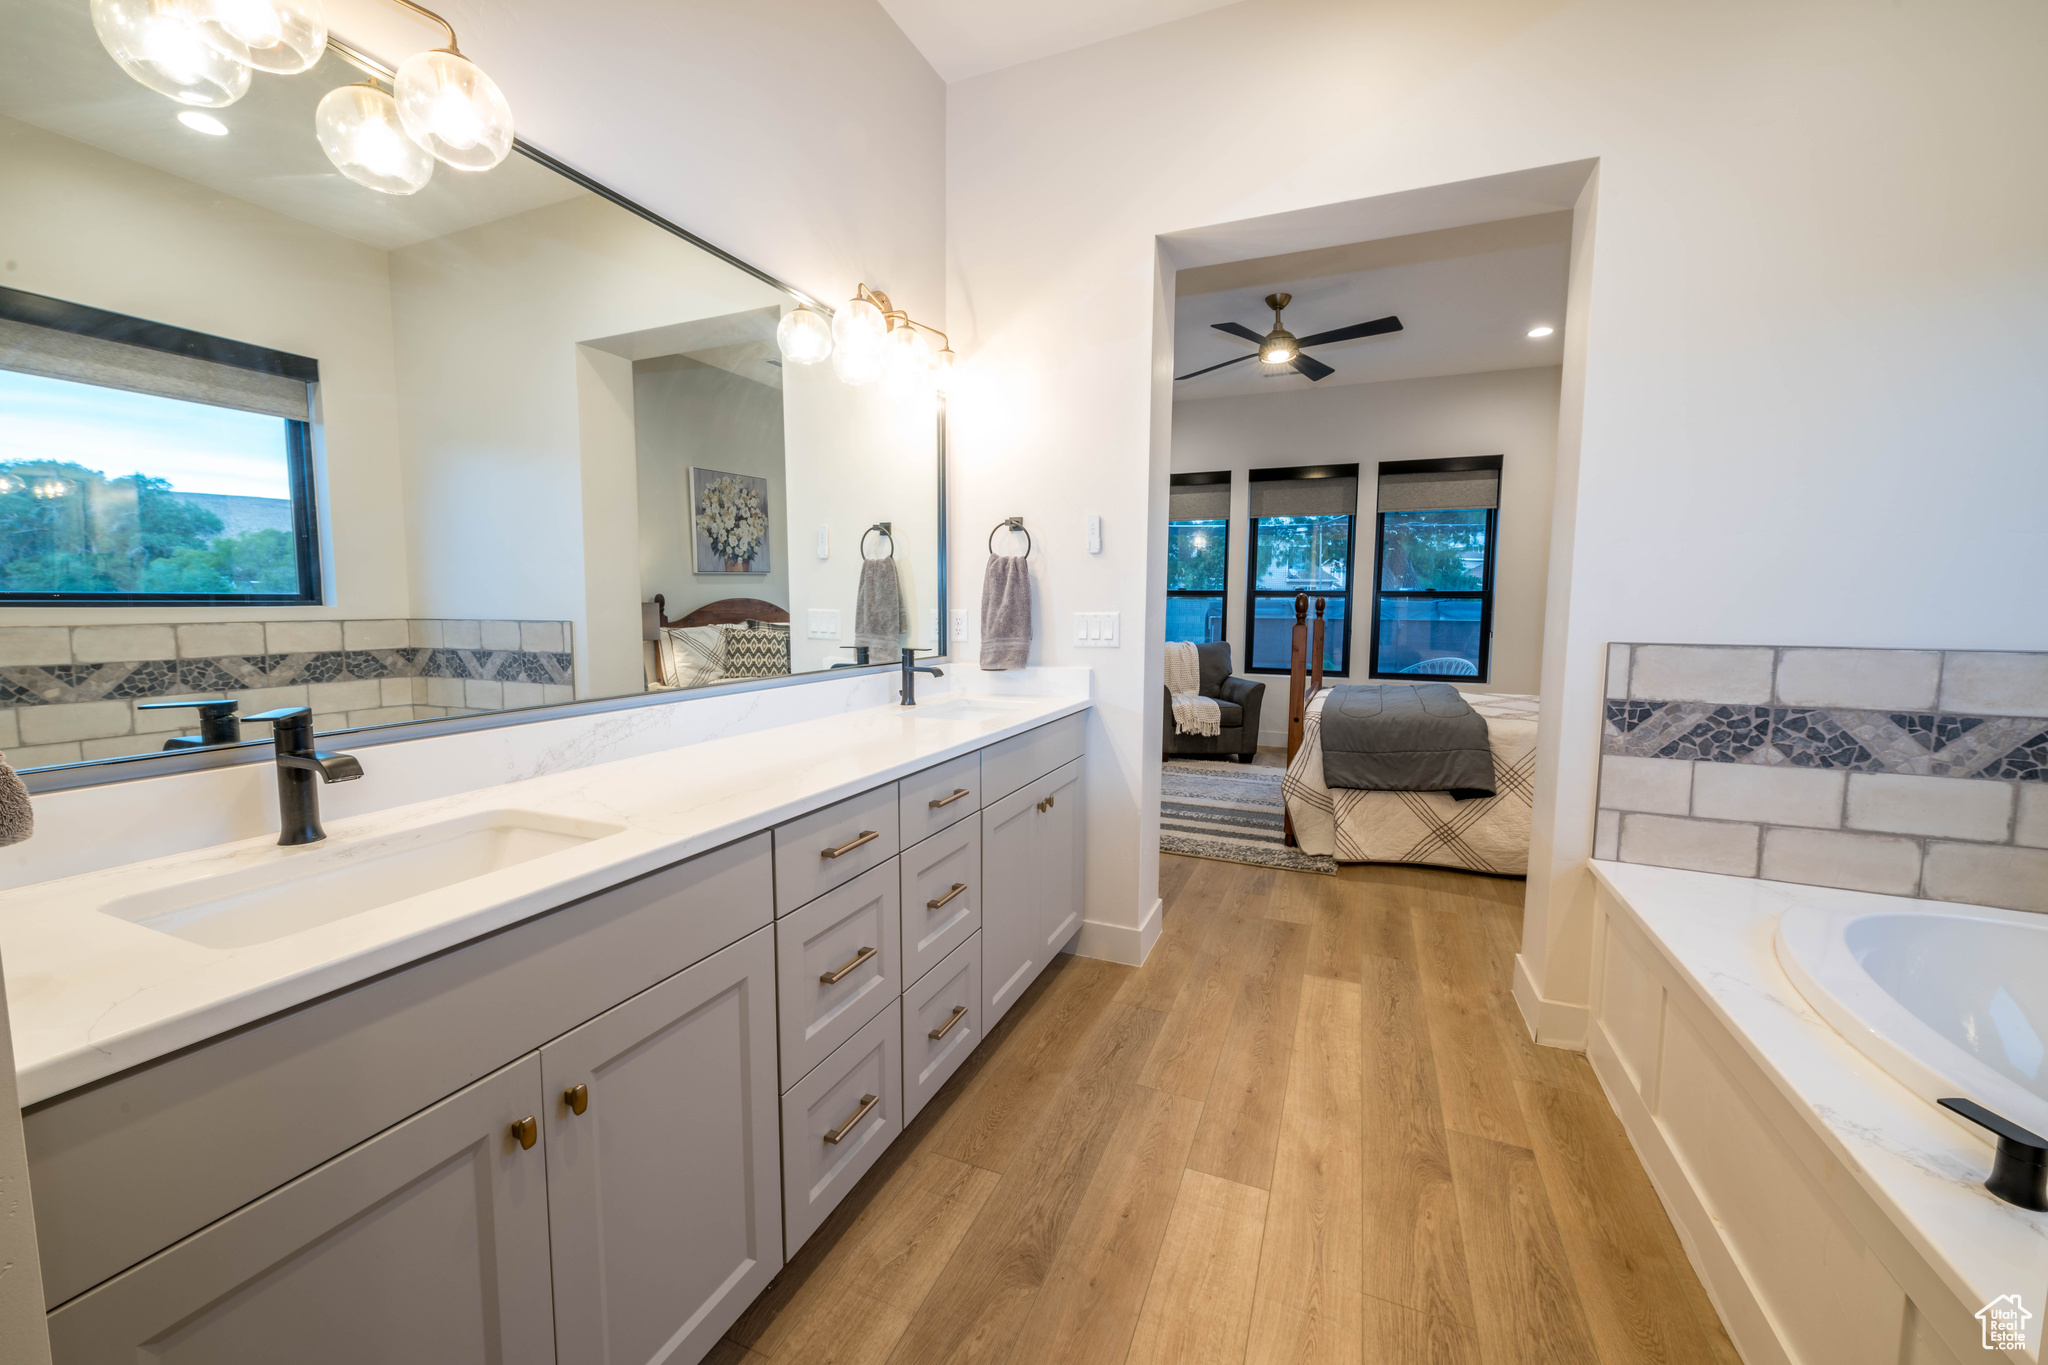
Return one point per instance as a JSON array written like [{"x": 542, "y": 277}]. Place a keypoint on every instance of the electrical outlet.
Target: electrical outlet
[
  {"x": 1096, "y": 629},
  {"x": 959, "y": 634},
  {"x": 823, "y": 623}
]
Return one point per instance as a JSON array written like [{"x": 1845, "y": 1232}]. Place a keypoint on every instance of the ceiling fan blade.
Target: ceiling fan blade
[
  {"x": 1232, "y": 361},
  {"x": 1355, "y": 330},
  {"x": 1313, "y": 368},
  {"x": 1237, "y": 329}
]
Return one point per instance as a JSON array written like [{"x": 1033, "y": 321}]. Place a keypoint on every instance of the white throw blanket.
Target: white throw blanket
[{"x": 1193, "y": 713}]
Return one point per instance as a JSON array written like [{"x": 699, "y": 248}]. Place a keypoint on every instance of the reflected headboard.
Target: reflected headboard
[{"x": 726, "y": 611}]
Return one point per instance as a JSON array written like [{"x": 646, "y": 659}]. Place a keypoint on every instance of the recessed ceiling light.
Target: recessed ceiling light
[
  {"x": 1539, "y": 331},
  {"x": 203, "y": 123}
]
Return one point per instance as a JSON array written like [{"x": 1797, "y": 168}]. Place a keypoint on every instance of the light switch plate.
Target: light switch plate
[
  {"x": 1096, "y": 629},
  {"x": 824, "y": 542},
  {"x": 823, "y": 623},
  {"x": 1094, "y": 534}
]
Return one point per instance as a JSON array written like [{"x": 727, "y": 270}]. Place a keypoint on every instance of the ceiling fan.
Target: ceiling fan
[{"x": 1282, "y": 347}]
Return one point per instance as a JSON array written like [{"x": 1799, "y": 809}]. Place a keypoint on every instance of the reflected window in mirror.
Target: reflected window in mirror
[{"x": 162, "y": 468}]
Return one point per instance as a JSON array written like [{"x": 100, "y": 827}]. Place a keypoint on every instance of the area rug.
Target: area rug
[{"x": 1231, "y": 813}]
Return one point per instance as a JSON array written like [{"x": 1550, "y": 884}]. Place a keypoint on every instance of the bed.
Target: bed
[
  {"x": 1487, "y": 834},
  {"x": 732, "y": 638}
]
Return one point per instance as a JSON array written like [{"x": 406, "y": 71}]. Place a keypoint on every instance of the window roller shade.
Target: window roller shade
[
  {"x": 53, "y": 354},
  {"x": 1304, "y": 497},
  {"x": 1199, "y": 502},
  {"x": 1439, "y": 490}
]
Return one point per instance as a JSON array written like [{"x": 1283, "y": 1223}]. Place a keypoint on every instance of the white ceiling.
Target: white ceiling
[
  {"x": 963, "y": 38},
  {"x": 54, "y": 74},
  {"x": 1462, "y": 313}
]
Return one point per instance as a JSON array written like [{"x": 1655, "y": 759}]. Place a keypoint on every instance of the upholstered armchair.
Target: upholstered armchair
[{"x": 1239, "y": 699}]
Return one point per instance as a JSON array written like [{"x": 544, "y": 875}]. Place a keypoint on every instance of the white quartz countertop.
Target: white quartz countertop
[
  {"x": 1924, "y": 1169},
  {"x": 91, "y": 994}
]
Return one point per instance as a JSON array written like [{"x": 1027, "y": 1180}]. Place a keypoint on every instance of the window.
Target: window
[
  {"x": 1301, "y": 542},
  {"x": 144, "y": 464},
  {"x": 1197, "y": 553},
  {"x": 1433, "y": 568}
]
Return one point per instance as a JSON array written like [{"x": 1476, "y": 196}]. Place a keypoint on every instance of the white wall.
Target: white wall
[
  {"x": 1808, "y": 331},
  {"x": 94, "y": 228},
  {"x": 1512, "y": 413}
]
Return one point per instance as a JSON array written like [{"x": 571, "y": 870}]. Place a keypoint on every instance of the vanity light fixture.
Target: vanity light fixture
[
  {"x": 869, "y": 337},
  {"x": 1540, "y": 331},
  {"x": 203, "y": 123},
  {"x": 155, "y": 42},
  {"x": 450, "y": 106},
  {"x": 359, "y": 129},
  {"x": 804, "y": 337},
  {"x": 284, "y": 37}
]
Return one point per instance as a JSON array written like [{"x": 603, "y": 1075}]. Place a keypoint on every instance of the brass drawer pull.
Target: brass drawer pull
[
  {"x": 838, "y": 1135},
  {"x": 577, "y": 1098},
  {"x": 940, "y": 903},
  {"x": 944, "y": 801},
  {"x": 866, "y": 836},
  {"x": 959, "y": 1013},
  {"x": 839, "y": 973},
  {"x": 527, "y": 1131}
]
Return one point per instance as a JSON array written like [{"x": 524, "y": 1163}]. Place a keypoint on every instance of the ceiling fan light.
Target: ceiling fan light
[{"x": 1278, "y": 348}]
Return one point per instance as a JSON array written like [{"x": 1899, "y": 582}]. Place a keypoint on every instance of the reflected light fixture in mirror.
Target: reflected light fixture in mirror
[
  {"x": 451, "y": 108},
  {"x": 869, "y": 338},
  {"x": 359, "y": 129},
  {"x": 158, "y": 45},
  {"x": 283, "y": 37},
  {"x": 803, "y": 336}
]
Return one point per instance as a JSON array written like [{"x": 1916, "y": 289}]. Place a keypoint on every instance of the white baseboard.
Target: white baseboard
[
  {"x": 1119, "y": 942},
  {"x": 1550, "y": 1022}
]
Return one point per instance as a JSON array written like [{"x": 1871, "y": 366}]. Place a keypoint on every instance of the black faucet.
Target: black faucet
[
  {"x": 298, "y": 800},
  {"x": 218, "y": 723},
  {"x": 911, "y": 669},
  {"x": 2019, "y": 1166}
]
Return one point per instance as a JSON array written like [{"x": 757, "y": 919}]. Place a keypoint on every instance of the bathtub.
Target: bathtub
[{"x": 1949, "y": 1001}]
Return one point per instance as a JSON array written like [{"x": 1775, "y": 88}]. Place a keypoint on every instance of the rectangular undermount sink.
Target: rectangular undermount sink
[
  {"x": 964, "y": 708},
  {"x": 335, "y": 880}
]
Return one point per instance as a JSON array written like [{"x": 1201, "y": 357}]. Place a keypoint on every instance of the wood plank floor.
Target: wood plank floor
[{"x": 1310, "y": 1128}]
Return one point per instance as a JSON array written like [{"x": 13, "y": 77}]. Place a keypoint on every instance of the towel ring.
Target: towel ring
[
  {"x": 883, "y": 527},
  {"x": 1014, "y": 524}
]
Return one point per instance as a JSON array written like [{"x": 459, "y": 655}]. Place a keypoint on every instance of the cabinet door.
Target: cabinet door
[
  {"x": 1058, "y": 856},
  {"x": 1010, "y": 940},
  {"x": 837, "y": 1122},
  {"x": 663, "y": 1194},
  {"x": 428, "y": 1244}
]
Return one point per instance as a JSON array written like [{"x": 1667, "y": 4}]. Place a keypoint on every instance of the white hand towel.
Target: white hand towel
[{"x": 1193, "y": 713}]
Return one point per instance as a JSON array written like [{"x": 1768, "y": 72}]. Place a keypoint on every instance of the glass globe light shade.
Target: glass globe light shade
[
  {"x": 451, "y": 108},
  {"x": 856, "y": 364},
  {"x": 805, "y": 338},
  {"x": 280, "y": 36},
  {"x": 859, "y": 326},
  {"x": 942, "y": 369},
  {"x": 358, "y": 128},
  {"x": 154, "y": 42},
  {"x": 909, "y": 355}
]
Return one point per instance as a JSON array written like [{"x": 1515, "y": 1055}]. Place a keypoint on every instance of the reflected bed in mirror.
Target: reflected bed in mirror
[{"x": 271, "y": 438}]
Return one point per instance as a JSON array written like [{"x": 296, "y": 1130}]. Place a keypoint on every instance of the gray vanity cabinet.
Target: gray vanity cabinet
[
  {"x": 427, "y": 1245},
  {"x": 663, "y": 1163},
  {"x": 1031, "y": 850}
]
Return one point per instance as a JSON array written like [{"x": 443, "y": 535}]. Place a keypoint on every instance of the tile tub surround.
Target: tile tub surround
[
  {"x": 68, "y": 693},
  {"x": 1905, "y": 772},
  {"x": 1909, "y": 1218}
]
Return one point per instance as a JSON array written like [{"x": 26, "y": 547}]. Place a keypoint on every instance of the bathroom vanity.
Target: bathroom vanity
[{"x": 591, "y": 1129}]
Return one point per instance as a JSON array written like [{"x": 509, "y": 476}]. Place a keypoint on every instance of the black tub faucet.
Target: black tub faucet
[
  {"x": 911, "y": 668},
  {"x": 298, "y": 799}
]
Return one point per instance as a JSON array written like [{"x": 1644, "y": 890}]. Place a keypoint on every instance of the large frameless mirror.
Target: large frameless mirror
[{"x": 273, "y": 436}]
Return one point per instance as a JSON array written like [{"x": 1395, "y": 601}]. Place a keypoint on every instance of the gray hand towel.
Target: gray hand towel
[
  {"x": 1006, "y": 612},
  {"x": 879, "y": 618},
  {"x": 17, "y": 816}
]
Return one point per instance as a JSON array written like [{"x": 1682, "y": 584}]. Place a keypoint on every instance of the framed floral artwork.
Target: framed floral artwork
[{"x": 730, "y": 512}]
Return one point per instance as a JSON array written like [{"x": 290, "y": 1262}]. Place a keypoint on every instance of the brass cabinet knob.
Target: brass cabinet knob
[
  {"x": 1048, "y": 803},
  {"x": 527, "y": 1131},
  {"x": 577, "y": 1097}
]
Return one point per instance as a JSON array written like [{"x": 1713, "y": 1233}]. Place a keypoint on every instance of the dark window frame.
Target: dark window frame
[
  {"x": 1460, "y": 465},
  {"x": 1253, "y": 592},
  {"x": 61, "y": 315},
  {"x": 1222, "y": 594}
]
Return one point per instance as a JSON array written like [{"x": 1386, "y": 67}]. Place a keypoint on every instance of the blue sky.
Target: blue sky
[{"x": 198, "y": 447}]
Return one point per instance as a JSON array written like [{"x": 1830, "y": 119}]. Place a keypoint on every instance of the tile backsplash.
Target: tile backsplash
[
  {"x": 1903, "y": 771},
  {"x": 69, "y": 693}
]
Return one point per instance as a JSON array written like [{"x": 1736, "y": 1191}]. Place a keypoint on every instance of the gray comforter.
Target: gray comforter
[{"x": 1406, "y": 737}]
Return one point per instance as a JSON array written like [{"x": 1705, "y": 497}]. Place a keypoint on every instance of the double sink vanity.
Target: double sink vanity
[{"x": 561, "y": 1070}]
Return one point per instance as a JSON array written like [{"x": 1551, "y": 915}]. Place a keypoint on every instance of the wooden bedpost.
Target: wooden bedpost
[
  {"x": 1296, "y": 684},
  {"x": 1322, "y": 605}
]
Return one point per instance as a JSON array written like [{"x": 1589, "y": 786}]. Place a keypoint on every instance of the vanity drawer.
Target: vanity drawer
[
  {"x": 948, "y": 1002},
  {"x": 804, "y": 869},
  {"x": 834, "y": 1102},
  {"x": 940, "y": 797},
  {"x": 852, "y": 934},
  {"x": 945, "y": 867},
  {"x": 1010, "y": 763}
]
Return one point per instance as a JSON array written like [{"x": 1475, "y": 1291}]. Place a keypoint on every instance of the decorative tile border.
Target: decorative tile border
[{"x": 1906, "y": 772}]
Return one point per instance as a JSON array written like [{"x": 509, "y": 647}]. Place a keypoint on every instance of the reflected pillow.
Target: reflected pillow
[
  {"x": 692, "y": 656},
  {"x": 756, "y": 651}
]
